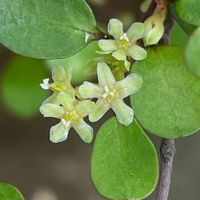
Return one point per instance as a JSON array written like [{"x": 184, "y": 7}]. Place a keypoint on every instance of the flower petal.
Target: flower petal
[
  {"x": 127, "y": 65},
  {"x": 105, "y": 76},
  {"x": 137, "y": 52},
  {"x": 99, "y": 110},
  {"x": 59, "y": 133},
  {"x": 107, "y": 45},
  {"x": 119, "y": 54},
  {"x": 52, "y": 110},
  {"x": 90, "y": 90},
  {"x": 123, "y": 112},
  {"x": 154, "y": 35},
  {"x": 84, "y": 107},
  {"x": 130, "y": 85},
  {"x": 136, "y": 31},
  {"x": 52, "y": 99},
  {"x": 84, "y": 131},
  {"x": 115, "y": 28},
  {"x": 66, "y": 100},
  {"x": 58, "y": 74},
  {"x": 145, "y": 6},
  {"x": 102, "y": 52}
]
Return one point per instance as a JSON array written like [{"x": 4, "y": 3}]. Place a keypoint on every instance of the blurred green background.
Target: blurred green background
[{"x": 46, "y": 171}]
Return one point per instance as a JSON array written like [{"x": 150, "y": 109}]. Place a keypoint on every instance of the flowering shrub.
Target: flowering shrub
[{"x": 138, "y": 63}]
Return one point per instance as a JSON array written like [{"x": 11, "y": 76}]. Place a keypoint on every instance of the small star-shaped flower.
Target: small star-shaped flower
[
  {"x": 71, "y": 113},
  {"x": 110, "y": 94},
  {"x": 124, "y": 44}
]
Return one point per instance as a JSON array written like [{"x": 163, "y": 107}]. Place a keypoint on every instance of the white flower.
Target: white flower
[
  {"x": 110, "y": 94},
  {"x": 124, "y": 44},
  {"x": 61, "y": 82},
  {"x": 71, "y": 113}
]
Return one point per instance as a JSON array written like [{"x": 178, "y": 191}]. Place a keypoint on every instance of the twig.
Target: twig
[{"x": 167, "y": 152}]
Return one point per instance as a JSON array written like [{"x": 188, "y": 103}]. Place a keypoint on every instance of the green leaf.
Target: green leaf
[
  {"x": 124, "y": 162},
  {"x": 83, "y": 64},
  {"x": 21, "y": 92},
  {"x": 46, "y": 29},
  {"x": 9, "y": 192},
  {"x": 192, "y": 53},
  {"x": 168, "y": 103},
  {"x": 189, "y": 11},
  {"x": 178, "y": 36},
  {"x": 188, "y": 28}
]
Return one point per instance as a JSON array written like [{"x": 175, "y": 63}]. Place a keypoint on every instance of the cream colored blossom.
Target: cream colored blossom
[
  {"x": 110, "y": 94},
  {"x": 123, "y": 44},
  {"x": 61, "y": 82},
  {"x": 71, "y": 113}
]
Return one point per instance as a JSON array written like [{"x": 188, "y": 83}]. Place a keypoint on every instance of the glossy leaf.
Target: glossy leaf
[
  {"x": 46, "y": 29},
  {"x": 83, "y": 64},
  {"x": 168, "y": 103},
  {"x": 187, "y": 27},
  {"x": 124, "y": 162},
  {"x": 189, "y": 11},
  {"x": 192, "y": 53},
  {"x": 21, "y": 92},
  {"x": 9, "y": 192}
]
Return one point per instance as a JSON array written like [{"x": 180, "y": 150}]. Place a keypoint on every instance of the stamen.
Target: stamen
[
  {"x": 105, "y": 95},
  {"x": 87, "y": 36},
  {"x": 45, "y": 84},
  {"x": 112, "y": 94},
  {"x": 106, "y": 88},
  {"x": 124, "y": 37}
]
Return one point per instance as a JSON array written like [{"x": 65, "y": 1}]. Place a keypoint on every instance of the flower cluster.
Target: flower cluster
[
  {"x": 71, "y": 111},
  {"x": 125, "y": 44},
  {"x": 71, "y": 105}
]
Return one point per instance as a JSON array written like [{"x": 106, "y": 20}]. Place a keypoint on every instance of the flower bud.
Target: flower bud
[{"x": 154, "y": 30}]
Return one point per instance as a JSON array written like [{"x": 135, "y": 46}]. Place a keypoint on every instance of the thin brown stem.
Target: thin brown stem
[{"x": 167, "y": 152}]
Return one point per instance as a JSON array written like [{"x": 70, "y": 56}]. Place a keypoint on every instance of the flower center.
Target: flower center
[
  {"x": 110, "y": 93},
  {"x": 57, "y": 87},
  {"x": 71, "y": 116},
  {"x": 124, "y": 41}
]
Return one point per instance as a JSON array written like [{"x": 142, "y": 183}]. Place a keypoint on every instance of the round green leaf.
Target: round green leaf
[
  {"x": 21, "y": 92},
  {"x": 192, "y": 53},
  {"x": 168, "y": 103},
  {"x": 124, "y": 162},
  {"x": 9, "y": 192},
  {"x": 83, "y": 64},
  {"x": 189, "y": 11},
  {"x": 46, "y": 29}
]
